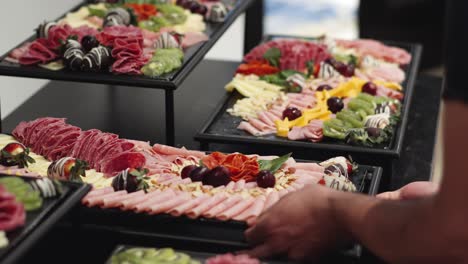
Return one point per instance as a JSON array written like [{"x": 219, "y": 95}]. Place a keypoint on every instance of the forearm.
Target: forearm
[{"x": 396, "y": 231}]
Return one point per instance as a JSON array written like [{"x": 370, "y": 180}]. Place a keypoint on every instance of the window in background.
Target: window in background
[{"x": 337, "y": 18}]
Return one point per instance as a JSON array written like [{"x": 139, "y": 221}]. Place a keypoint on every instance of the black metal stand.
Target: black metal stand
[
  {"x": 170, "y": 117},
  {"x": 253, "y": 33}
]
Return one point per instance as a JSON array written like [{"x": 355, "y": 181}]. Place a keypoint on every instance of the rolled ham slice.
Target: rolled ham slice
[
  {"x": 237, "y": 209},
  {"x": 99, "y": 199},
  {"x": 130, "y": 204},
  {"x": 230, "y": 185},
  {"x": 218, "y": 209},
  {"x": 240, "y": 185},
  {"x": 309, "y": 167},
  {"x": 167, "y": 205},
  {"x": 183, "y": 208},
  {"x": 117, "y": 201},
  {"x": 163, "y": 196},
  {"x": 253, "y": 211},
  {"x": 203, "y": 207},
  {"x": 166, "y": 150}
]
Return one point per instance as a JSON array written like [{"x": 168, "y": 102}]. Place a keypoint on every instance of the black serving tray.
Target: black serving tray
[
  {"x": 40, "y": 221},
  {"x": 171, "y": 81},
  {"x": 222, "y": 127},
  {"x": 195, "y": 255},
  {"x": 230, "y": 234}
]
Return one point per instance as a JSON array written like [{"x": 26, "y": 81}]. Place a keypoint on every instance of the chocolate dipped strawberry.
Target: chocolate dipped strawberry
[
  {"x": 131, "y": 180},
  {"x": 15, "y": 154},
  {"x": 67, "y": 168}
]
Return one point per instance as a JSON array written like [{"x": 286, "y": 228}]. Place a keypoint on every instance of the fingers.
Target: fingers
[
  {"x": 418, "y": 190},
  {"x": 261, "y": 251},
  {"x": 389, "y": 195}
]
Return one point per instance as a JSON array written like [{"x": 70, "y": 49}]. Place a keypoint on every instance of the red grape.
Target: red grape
[
  {"x": 369, "y": 88},
  {"x": 266, "y": 179},
  {"x": 349, "y": 72},
  {"x": 198, "y": 174},
  {"x": 324, "y": 87},
  {"x": 201, "y": 10},
  {"x": 292, "y": 113},
  {"x": 335, "y": 104},
  {"x": 186, "y": 171},
  {"x": 217, "y": 177}
]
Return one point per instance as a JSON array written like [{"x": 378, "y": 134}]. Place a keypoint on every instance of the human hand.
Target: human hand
[
  {"x": 411, "y": 191},
  {"x": 301, "y": 225}
]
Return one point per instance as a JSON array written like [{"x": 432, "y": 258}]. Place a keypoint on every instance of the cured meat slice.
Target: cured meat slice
[
  {"x": 114, "y": 202},
  {"x": 193, "y": 38},
  {"x": 247, "y": 127},
  {"x": 207, "y": 205},
  {"x": 108, "y": 36},
  {"x": 221, "y": 207},
  {"x": 253, "y": 211},
  {"x": 168, "y": 204},
  {"x": 236, "y": 209},
  {"x": 130, "y": 204},
  {"x": 157, "y": 198},
  {"x": 102, "y": 141},
  {"x": 17, "y": 53},
  {"x": 38, "y": 52},
  {"x": 167, "y": 150},
  {"x": 377, "y": 49},
  {"x": 123, "y": 161},
  {"x": 44, "y": 133},
  {"x": 294, "y": 53},
  {"x": 232, "y": 259},
  {"x": 181, "y": 209},
  {"x": 313, "y": 132},
  {"x": 77, "y": 149},
  {"x": 99, "y": 199},
  {"x": 272, "y": 198}
]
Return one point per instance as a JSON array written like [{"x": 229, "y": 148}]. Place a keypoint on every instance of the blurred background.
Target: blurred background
[{"x": 403, "y": 20}]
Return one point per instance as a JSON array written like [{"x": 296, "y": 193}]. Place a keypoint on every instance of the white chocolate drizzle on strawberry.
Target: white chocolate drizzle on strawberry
[{"x": 56, "y": 170}]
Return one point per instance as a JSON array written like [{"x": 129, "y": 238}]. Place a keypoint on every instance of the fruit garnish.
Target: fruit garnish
[
  {"x": 187, "y": 170},
  {"x": 369, "y": 88},
  {"x": 292, "y": 113},
  {"x": 266, "y": 179},
  {"x": 324, "y": 87},
  {"x": 373, "y": 132},
  {"x": 131, "y": 180},
  {"x": 15, "y": 154},
  {"x": 67, "y": 168},
  {"x": 335, "y": 104},
  {"x": 198, "y": 174},
  {"x": 241, "y": 167},
  {"x": 218, "y": 176},
  {"x": 89, "y": 42}
]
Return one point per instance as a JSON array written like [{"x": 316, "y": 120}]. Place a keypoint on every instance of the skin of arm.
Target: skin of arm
[{"x": 425, "y": 230}]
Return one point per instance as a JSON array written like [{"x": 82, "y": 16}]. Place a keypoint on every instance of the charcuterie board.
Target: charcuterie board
[
  {"x": 39, "y": 221},
  {"x": 222, "y": 127},
  {"x": 170, "y": 81}
]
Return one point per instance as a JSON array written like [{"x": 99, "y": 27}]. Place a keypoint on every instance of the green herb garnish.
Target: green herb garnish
[{"x": 275, "y": 164}]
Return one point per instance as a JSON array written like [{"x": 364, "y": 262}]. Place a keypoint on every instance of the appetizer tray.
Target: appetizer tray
[
  {"x": 228, "y": 233},
  {"x": 193, "y": 55},
  {"x": 195, "y": 256},
  {"x": 38, "y": 222},
  {"x": 221, "y": 127}
]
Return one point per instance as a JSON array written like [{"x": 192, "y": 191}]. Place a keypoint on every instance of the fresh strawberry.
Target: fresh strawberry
[
  {"x": 15, "y": 154},
  {"x": 131, "y": 180},
  {"x": 67, "y": 168}
]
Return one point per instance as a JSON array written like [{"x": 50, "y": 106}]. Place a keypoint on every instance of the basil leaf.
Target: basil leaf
[
  {"x": 275, "y": 164},
  {"x": 273, "y": 56}
]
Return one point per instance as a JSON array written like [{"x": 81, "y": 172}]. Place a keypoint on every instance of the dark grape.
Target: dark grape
[
  {"x": 201, "y": 10},
  {"x": 349, "y": 71},
  {"x": 335, "y": 104},
  {"x": 182, "y": 2},
  {"x": 324, "y": 87},
  {"x": 266, "y": 179},
  {"x": 373, "y": 132},
  {"x": 218, "y": 176},
  {"x": 369, "y": 88},
  {"x": 186, "y": 171},
  {"x": 89, "y": 42},
  {"x": 292, "y": 113},
  {"x": 193, "y": 6},
  {"x": 198, "y": 174},
  {"x": 187, "y": 4}
]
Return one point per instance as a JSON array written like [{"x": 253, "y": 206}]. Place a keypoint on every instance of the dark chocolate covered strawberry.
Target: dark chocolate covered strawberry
[
  {"x": 15, "y": 154},
  {"x": 67, "y": 168},
  {"x": 131, "y": 180}
]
